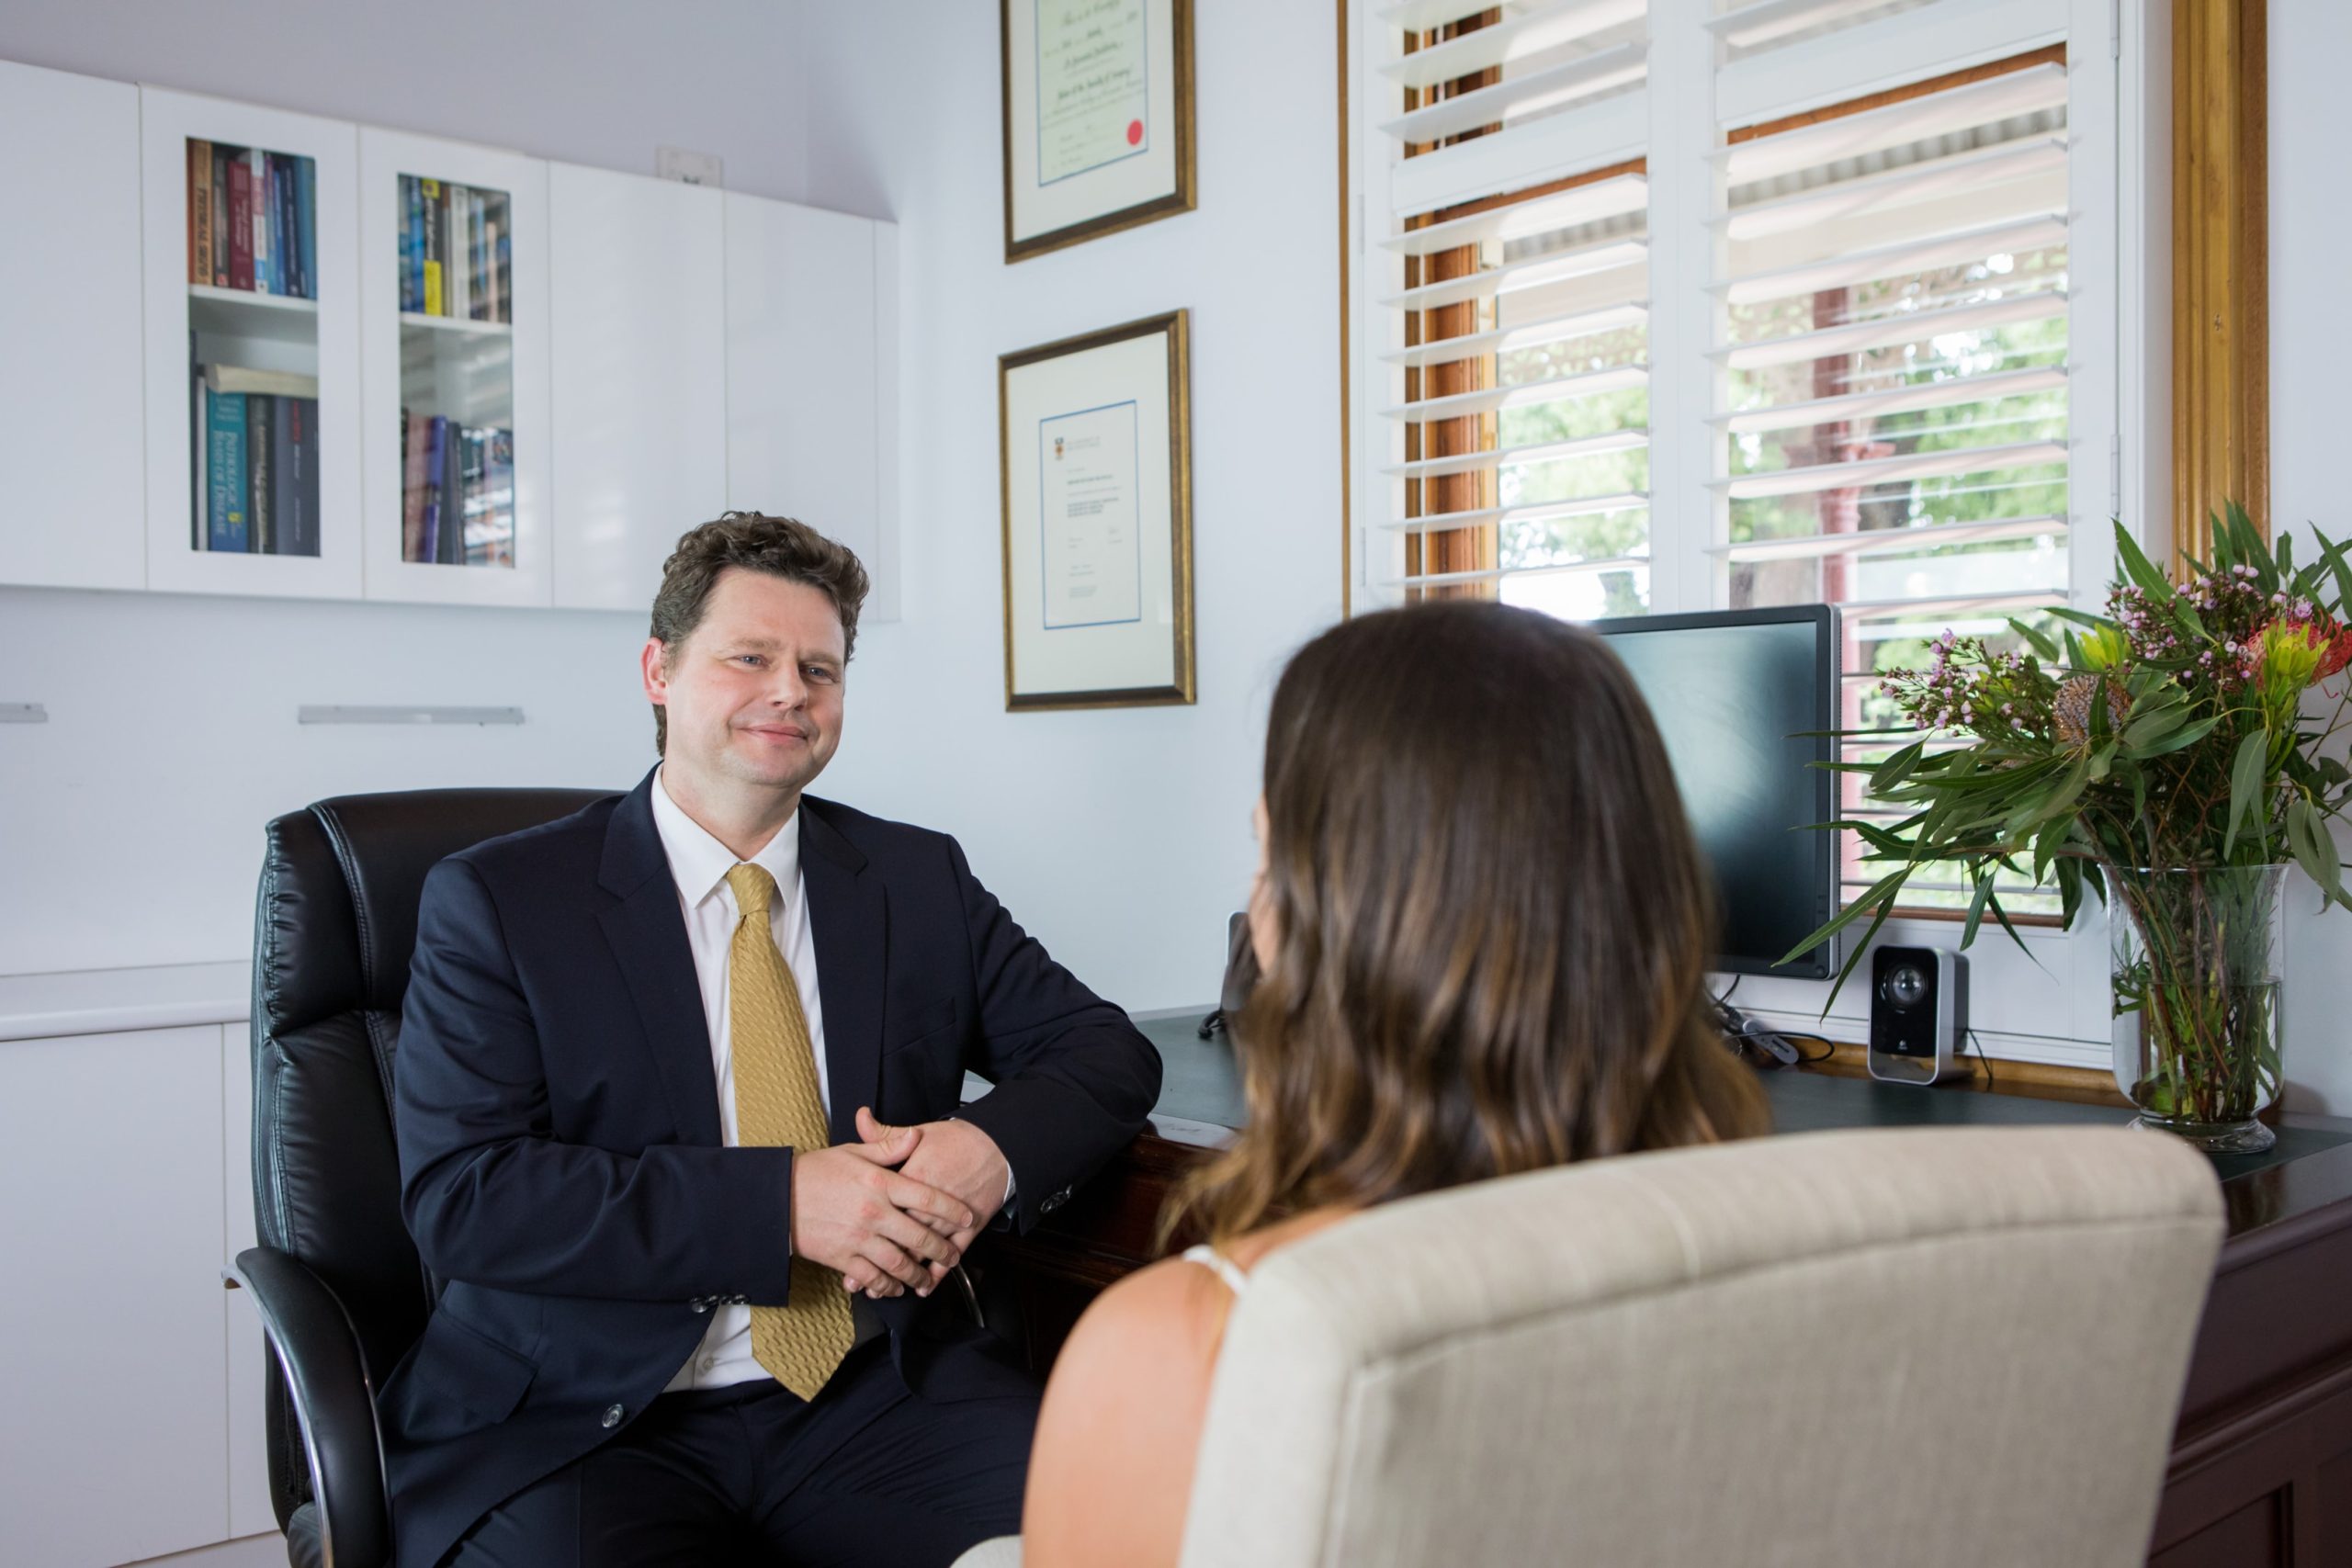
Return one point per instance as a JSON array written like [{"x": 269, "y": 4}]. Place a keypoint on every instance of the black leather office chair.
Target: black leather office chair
[{"x": 341, "y": 1291}]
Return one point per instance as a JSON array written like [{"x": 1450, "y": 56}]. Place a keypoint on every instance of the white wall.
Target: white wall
[
  {"x": 132, "y": 820},
  {"x": 1121, "y": 837},
  {"x": 2311, "y": 344}
]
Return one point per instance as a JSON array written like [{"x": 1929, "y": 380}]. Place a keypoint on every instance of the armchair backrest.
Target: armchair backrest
[
  {"x": 334, "y": 927},
  {"x": 1938, "y": 1347}
]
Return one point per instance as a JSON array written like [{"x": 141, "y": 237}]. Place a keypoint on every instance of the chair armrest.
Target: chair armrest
[{"x": 318, "y": 1351}]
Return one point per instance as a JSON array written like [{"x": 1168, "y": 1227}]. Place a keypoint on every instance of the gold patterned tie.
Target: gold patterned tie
[{"x": 777, "y": 1105}]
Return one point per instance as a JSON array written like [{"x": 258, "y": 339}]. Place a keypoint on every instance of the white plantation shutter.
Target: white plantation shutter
[
  {"x": 1508, "y": 278},
  {"x": 1708, "y": 303}
]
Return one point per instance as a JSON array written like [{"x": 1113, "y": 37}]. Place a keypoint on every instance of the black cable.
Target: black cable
[{"x": 1982, "y": 1057}]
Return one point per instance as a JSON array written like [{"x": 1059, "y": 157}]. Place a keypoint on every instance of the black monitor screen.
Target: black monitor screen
[{"x": 1734, "y": 693}]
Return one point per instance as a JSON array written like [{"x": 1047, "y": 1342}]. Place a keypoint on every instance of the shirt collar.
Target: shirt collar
[{"x": 699, "y": 863}]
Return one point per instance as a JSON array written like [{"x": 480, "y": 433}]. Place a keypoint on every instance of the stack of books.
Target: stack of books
[
  {"x": 459, "y": 499},
  {"x": 249, "y": 223},
  {"x": 454, "y": 251},
  {"x": 256, "y": 461}
]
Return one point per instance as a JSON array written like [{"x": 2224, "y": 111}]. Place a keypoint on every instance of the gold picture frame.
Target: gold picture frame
[
  {"x": 1098, "y": 568},
  {"x": 1103, "y": 198}
]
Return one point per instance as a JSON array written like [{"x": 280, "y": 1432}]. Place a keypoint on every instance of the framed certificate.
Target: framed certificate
[
  {"x": 1097, "y": 464},
  {"x": 1098, "y": 118}
]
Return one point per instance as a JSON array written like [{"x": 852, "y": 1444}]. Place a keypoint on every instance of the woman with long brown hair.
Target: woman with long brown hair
[{"x": 1481, "y": 927}]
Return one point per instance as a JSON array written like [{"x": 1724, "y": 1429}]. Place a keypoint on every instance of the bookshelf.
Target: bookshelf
[
  {"x": 252, "y": 348},
  {"x": 452, "y": 245}
]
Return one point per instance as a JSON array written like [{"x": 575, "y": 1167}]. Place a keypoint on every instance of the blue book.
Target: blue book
[
  {"x": 408, "y": 251},
  {"x": 306, "y": 224},
  {"x": 266, "y": 277},
  {"x": 416, "y": 242},
  {"x": 224, "y": 467}
]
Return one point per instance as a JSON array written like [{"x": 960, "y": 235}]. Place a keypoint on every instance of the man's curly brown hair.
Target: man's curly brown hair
[{"x": 781, "y": 547}]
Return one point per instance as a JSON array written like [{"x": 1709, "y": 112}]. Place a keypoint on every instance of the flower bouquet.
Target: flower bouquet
[{"x": 2158, "y": 755}]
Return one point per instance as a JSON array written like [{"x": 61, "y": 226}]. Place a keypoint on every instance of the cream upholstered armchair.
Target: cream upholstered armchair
[{"x": 1937, "y": 1347}]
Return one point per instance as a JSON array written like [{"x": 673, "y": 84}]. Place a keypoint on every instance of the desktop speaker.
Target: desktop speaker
[{"x": 1918, "y": 1014}]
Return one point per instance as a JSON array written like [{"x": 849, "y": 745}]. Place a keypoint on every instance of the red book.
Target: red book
[{"x": 240, "y": 224}]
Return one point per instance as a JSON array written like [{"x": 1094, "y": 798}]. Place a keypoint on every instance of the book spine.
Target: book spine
[
  {"x": 452, "y": 550},
  {"x": 281, "y": 181},
  {"x": 505, "y": 278},
  {"x": 261, "y": 522},
  {"x": 454, "y": 278},
  {"x": 199, "y": 211},
  {"x": 225, "y": 445},
  {"x": 199, "y": 451},
  {"x": 258, "y": 204},
  {"x": 433, "y": 296},
  {"x": 498, "y": 511},
  {"x": 306, "y": 223},
  {"x": 220, "y": 219},
  {"x": 240, "y": 223},
  {"x": 285, "y": 479},
  {"x": 412, "y": 431},
  {"x": 436, "y": 460},
  {"x": 491, "y": 241},
  {"x": 475, "y": 260},
  {"x": 408, "y": 275},
  {"x": 306, "y": 448}
]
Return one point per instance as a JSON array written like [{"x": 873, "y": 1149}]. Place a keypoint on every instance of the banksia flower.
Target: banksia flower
[{"x": 2070, "y": 710}]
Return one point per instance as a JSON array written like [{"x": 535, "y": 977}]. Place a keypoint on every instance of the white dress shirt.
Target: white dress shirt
[{"x": 699, "y": 864}]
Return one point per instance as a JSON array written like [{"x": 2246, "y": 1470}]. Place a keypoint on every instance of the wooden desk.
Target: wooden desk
[{"x": 2261, "y": 1473}]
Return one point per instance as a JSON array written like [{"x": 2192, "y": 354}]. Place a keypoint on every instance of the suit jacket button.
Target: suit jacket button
[
  {"x": 700, "y": 1303},
  {"x": 613, "y": 1414}
]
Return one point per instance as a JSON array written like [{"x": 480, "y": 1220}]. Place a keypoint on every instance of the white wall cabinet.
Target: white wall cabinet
[
  {"x": 466, "y": 365},
  {"x": 640, "y": 367},
  {"x": 300, "y": 331},
  {"x": 230, "y": 360},
  {"x": 69, "y": 426},
  {"x": 811, "y": 374}
]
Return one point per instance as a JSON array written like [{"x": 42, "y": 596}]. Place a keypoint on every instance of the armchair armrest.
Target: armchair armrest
[{"x": 318, "y": 1351}]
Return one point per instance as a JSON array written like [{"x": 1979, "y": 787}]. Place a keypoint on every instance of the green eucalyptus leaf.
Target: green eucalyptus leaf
[
  {"x": 2036, "y": 638},
  {"x": 2245, "y": 784},
  {"x": 2225, "y": 557},
  {"x": 2139, "y": 569},
  {"x": 2180, "y": 740},
  {"x": 1880, "y": 892},
  {"x": 1896, "y": 768}
]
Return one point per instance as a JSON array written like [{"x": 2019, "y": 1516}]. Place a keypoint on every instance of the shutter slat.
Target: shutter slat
[
  {"x": 1588, "y": 203},
  {"x": 2034, "y": 90},
  {"x": 1819, "y": 477},
  {"x": 1540, "y": 511},
  {"x": 1529, "y": 334},
  {"x": 1848, "y": 201},
  {"x": 1496, "y": 574},
  {"x": 1491, "y": 399},
  {"x": 1516, "y": 95},
  {"x": 1520, "y": 456},
  {"x": 1517, "y": 35},
  {"x": 2033, "y": 233},
  {"x": 1885, "y": 332},
  {"x": 1951, "y": 392},
  {"x": 1557, "y": 266},
  {"x": 1889, "y": 541}
]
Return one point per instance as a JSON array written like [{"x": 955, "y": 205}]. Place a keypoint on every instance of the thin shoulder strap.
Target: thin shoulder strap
[{"x": 1219, "y": 1264}]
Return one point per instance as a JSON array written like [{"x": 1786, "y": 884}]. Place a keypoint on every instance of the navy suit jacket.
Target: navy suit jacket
[{"x": 557, "y": 1121}]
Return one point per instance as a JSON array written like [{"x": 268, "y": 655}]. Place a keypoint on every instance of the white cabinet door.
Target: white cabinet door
[
  {"x": 70, "y": 403},
  {"x": 806, "y": 396},
  {"x": 110, "y": 1329},
  {"x": 249, "y": 1507},
  {"x": 458, "y": 368},
  {"x": 267, "y": 502},
  {"x": 638, "y": 346}
]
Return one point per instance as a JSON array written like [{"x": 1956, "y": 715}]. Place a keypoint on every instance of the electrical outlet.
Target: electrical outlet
[{"x": 694, "y": 168}]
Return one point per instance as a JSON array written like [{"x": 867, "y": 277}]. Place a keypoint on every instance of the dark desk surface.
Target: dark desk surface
[{"x": 1200, "y": 1102}]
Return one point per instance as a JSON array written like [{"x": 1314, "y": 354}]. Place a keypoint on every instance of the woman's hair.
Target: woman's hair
[{"x": 1492, "y": 924}]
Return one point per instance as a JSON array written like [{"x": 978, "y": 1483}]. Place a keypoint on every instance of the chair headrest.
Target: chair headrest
[{"x": 335, "y": 922}]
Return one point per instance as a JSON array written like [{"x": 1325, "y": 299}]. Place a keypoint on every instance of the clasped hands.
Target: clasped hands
[{"x": 894, "y": 1212}]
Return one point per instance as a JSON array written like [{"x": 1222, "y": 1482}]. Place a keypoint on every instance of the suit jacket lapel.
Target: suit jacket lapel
[
  {"x": 648, "y": 935},
  {"x": 849, "y": 919}
]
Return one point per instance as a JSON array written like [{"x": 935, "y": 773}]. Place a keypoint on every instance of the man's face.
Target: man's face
[{"x": 755, "y": 692}]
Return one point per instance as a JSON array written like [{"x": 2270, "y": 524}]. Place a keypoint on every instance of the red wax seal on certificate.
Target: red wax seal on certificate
[{"x": 1135, "y": 133}]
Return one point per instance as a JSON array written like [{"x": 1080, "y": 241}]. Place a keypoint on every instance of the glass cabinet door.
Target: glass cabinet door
[
  {"x": 252, "y": 351},
  {"x": 454, "y": 273}
]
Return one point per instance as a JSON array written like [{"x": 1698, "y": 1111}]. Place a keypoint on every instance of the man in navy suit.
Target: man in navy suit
[{"x": 627, "y": 1252}]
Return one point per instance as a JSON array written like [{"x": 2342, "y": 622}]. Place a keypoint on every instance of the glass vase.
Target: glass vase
[{"x": 2196, "y": 959}]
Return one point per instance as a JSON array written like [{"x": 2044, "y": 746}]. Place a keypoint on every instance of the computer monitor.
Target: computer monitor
[{"x": 1734, "y": 692}]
